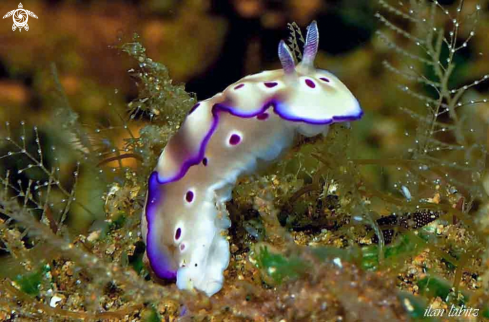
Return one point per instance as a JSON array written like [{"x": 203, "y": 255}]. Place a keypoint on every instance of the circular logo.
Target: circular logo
[{"x": 20, "y": 18}]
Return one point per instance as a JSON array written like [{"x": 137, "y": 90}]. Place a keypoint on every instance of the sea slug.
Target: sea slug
[{"x": 251, "y": 122}]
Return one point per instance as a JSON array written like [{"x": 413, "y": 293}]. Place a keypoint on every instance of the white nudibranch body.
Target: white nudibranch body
[{"x": 252, "y": 121}]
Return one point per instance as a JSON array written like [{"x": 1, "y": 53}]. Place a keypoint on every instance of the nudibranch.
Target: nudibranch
[{"x": 252, "y": 121}]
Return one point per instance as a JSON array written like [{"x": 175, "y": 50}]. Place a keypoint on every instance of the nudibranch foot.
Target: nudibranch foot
[{"x": 252, "y": 122}]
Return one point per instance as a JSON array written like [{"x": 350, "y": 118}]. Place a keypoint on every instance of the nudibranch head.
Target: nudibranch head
[
  {"x": 298, "y": 93},
  {"x": 316, "y": 95}
]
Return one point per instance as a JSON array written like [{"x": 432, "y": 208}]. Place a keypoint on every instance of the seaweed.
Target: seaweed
[{"x": 313, "y": 238}]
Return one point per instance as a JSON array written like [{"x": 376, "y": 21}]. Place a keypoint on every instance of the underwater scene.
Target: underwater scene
[{"x": 244, "y": 160}]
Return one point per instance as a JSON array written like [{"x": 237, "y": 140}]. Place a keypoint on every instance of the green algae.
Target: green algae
[
  {"x": 150, "y": 314},
  {"x": 485, "y": 312},
  {"x": 30, "y": 282},
  {"x": 278, "y": 267},
  {"x": 415, "y": 306},
  {"x": 136, "y": 259},
  {"x": 404, "y": 246},
  {"x": 432, "y": 286},
  {"x": 435, "y": 286},
  {"x": 166, "y": 103},
  {"x": 351, "y": 254}
]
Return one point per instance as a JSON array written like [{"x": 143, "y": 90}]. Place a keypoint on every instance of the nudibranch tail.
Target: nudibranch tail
[
  {"x": 252, "y": 122},
  {"x": 160, "y": 258}
]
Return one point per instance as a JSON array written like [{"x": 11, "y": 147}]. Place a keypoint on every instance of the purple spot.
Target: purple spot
[
  {"x": 262, "y": 116},
  {"x": 193, "y": 108},
  {"x": 310, "y": 83},
  {"x": 182, "y": 247},
  {"x": 324, "y": 79},
  {"x": 178, "y": 233},
  {"x": 239, "y": 86},
  {"x": 189, "y": 196},
  {"x": 234, "y": 139},
  {"x": 204, "y": 162},
  {"x": 271, "y": 84}
]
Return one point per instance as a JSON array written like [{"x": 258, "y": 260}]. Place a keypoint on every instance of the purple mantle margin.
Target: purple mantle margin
[{"x": 159, "y": 261}]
